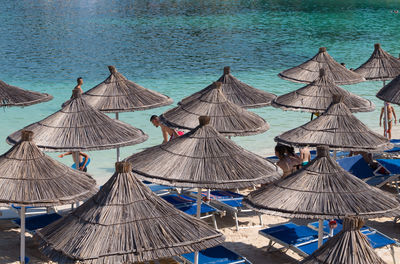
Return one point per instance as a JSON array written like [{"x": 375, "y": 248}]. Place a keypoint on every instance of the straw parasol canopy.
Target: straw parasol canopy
[
  {"x": 318, "y": 95},
  {"x": 78, "y": 126},
  {"x": 337, "y": 128},
  {"x": 14, "y": 96},
  {"x": 118, "y": 94},
  {"x": 322, "y": 190},
  {"x": 28, "y": 177},
  {"x": 125, "y": 222},
  {"x": 203, "y": 158},
  {"x": 348, "y": 246},
  {"x": 381, "y": 66},
  {"x": 308, "y": 71},
  {"x": 391, "y": 91},
  {"x": 237, "y": 92},
  {"x": 228, "y": 118}
]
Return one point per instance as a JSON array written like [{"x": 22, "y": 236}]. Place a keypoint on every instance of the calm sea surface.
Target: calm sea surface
[{"x": 179, "y": 47}]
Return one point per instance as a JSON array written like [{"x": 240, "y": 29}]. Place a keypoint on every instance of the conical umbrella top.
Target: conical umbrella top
[
  {"x": 14, "y": 96},
  {"x": 390, "y": 92},
  {"x": 322, "y": 190},
  {"x": 203, "y": 158},
  {"x": 118, "y": 94},
  {"x": 28, "y": 177},
  {"x": 125, "y": 222},
  {"x": 78, "y": 126},
  {"x": 308, "y": 71},
  {"x": 337, "y": 128},
  {"x": 348, "y": 246},
  {"x": 318, "y": 95},
  {"x": 380, "y": 66},
  {"x": 227, "y": 118},
  {"x": 237, "y": 92}
]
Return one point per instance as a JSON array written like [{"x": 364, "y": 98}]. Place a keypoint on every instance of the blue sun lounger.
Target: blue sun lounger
[
  {"x": 159, "y": 189},
  {"x": 33, "y": 223},
  {"x": 357, "y": 166},
  {"x": 376, "y": 238},
  {"x": 228, "y": 201},
  {"x": 188, "y": 205},
  {"x": 300, "y": 239},
  {"x": 216, "y": 255}
]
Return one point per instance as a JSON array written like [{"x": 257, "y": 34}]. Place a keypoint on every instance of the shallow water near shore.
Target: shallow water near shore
[{"x": 179, "y": 47}]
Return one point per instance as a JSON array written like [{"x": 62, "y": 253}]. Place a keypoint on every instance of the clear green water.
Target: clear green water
[{"x": 179, "y": 47}]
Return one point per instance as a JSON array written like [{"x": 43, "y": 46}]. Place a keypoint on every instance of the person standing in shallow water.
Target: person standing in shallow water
[
  {"x": 390, "y": 115},
  {"x": 79, "y": 85},
  {"x": 166, "y": 131}
]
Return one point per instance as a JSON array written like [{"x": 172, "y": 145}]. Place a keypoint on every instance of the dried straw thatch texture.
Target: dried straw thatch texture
[
  {"x": 237, "y": 92},
  {"x": 228, "y": 118},
  {"x": 118, "y": 94},
  {"x": 380, "y": 66},
  {"x": 391, "y": 91},
  {"x": 14, "y": 96},
  {"x": 203, "y": 158},
  {"x": 349, "y": 246},
  {"x": 30, "y": 178},
  {"x": 322, "y": 190},
  {"x": 318, "y": 95},
  {"x": 338, "y": 129},
  {"x": 125, "y": 223},
  {"x": 309, "y": 70},
  {"x": 78, "y": 126}
]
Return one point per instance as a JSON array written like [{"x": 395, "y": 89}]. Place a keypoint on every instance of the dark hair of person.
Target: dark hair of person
[
  {"x": 153, "y": 117},
  {"x": 290, "y": 151},
  {"x": 281, "y": 150},
  {"x": 78, "y": 79}
]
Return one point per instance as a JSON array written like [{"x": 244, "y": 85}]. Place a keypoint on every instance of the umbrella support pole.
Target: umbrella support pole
[
  {"x": 385, "y": 117},
  {"x": 22, "y": 249},
  {"x": 196, "y": 254},
  {"x": 76, "y": 157},
  {"x": 334, "y": 154},
  {"x": 320, "y": 232},
  {"x": 118, "y": 153}
]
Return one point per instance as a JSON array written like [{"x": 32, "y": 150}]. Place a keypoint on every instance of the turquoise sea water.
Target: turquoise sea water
[{"x": 179, "y": 47}]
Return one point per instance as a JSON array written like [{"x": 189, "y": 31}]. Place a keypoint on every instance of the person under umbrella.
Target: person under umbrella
[
  {"x": 28, "y": 177},
  {"x": 381, "y": 66}
]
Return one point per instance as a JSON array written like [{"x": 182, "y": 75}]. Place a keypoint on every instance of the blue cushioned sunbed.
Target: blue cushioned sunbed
[
  {"x": 376, "y": 238},
  {"x": 33, "y": 223},
  {"x": 357, "y": 166},
  {"x": 189, "y": 205},
  {"x": 216, "y": 255}
]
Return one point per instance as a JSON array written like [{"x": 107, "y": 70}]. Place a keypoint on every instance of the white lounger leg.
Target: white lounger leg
[
  {"x": 392, "y": 251},
  {"x": 236, "y": 221},
  {"x": 261, "y": 220}
]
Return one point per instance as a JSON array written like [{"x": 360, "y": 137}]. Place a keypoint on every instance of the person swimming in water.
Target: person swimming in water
[
  {"x": 166, "y": 131},
  {"x": 390, "y": 114}
]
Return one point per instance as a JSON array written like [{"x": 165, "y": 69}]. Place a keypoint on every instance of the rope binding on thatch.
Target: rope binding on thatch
[{"x": 204, "y": 120}]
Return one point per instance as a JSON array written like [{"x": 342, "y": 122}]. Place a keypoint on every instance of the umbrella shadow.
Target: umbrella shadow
[
  {"x": 260, "y": 255},
  {"x": 10, "y": 245},
  {"x": 388, "y": 227}
]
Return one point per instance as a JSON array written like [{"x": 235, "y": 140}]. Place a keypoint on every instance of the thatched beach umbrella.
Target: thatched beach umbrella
[
  {"x": 203, "y": 158},
  {"x": 237, "y": 92},
  {"x": 30, "y": 178},
  {"x": 308, "y": 71},
  {"x": 391, "y": 92},
  {"x": 227, "y": 118},
  {"x": 125, "y": 222},
  {"x": 337, "y": 128},
  {"x": 318, "y": 95},
  {"x": 14, "y": 96},
  {"x": 80, "y": 127},
  {"x": 381, "y": 66},
  {"x": 324, "y": 190},
  {"x": 348, "y": 246},
  {"x": 117, "y": 94}
]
